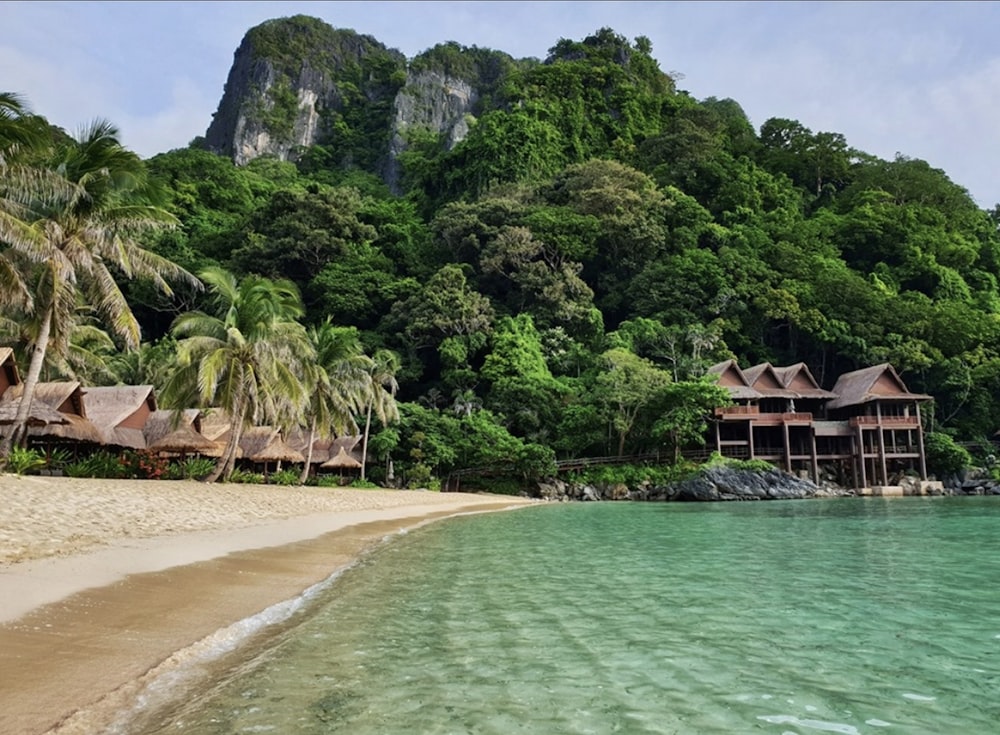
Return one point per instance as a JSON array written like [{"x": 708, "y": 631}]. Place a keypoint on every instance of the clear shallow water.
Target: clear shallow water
[{"x": 844, "y": 616}]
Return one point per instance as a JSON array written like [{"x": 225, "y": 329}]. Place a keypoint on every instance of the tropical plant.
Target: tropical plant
[
  {"x": 338, "y": 380},
  {"x": 381, "y": 398},
  {"x": 284, "y": 477},
  {"x": 75, "y": 245},
  {"x": 23, "y": 460},
  {"x": 246, "y": 357}
]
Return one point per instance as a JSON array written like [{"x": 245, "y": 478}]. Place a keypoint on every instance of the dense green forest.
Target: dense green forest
[{"x": 556, "y": 284}]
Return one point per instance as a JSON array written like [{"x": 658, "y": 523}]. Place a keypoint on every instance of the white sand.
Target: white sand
[{"x": 101, "y": 580}]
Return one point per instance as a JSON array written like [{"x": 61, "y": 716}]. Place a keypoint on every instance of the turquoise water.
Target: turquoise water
[{"x": 844, "y": 616}]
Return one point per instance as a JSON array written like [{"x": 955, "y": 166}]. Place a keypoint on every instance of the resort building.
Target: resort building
[{"x": 866, "y": 431}]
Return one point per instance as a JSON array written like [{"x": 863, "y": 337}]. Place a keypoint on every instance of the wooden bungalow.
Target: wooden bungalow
[
  {"x": 885, "y": 419},
  {"x": 733, "y": 424},
  {"x": 866, "y": 429},
  {"x": 176, "y": 433},
  {"x": 263, "y": 445},
  {"x": 67, "y": 398},
  {"x": 121, "y": 412}
]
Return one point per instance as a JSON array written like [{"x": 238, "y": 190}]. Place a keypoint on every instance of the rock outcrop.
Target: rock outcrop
[
  {"x": 293, "y": 80},
  {"x": 298, "y": 82},
  {"x": 709, "y": 484}
]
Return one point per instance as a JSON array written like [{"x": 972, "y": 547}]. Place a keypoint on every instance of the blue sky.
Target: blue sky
[{"x": 917, "y": 78}]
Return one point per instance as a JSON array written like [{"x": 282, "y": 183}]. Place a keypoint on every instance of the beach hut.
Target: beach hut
[
  {"x": 263, "y": 445},
  {"x": 342, "y": 459},
  {"x": 177, "y": 433},
  {"x": 121, "y": 412},
  {"x": 67, "y": 398},
  {"x": 215, "y": 425}
]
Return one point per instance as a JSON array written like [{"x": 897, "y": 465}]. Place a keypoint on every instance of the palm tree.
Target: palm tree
[
  {"x": 381, "y": 397},
  {"x": 338, "y": 382},
  {"x": 74, "y": 244},
  {"x": 246, "y": 358}
]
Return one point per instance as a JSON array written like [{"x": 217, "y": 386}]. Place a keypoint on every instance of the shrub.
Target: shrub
[
  {"x": 364, "y": 484},
  {"x": 195, "y": 468},
  {"x": 22, "y": 461},
  {"x": 944, "y": 456},
  {"x": 284, "y": 477},
  {"x": 99, "y": 464},
  {"x": 243, "y": 477}
]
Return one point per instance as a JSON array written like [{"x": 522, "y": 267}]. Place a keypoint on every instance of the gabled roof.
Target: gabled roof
[
  {"x": 177, "y": 432},
  {"x": 341, "y": 460},
  {"x": 765, "y": 380},
  {"x": 800, "y": 379},
  {"x": 9, "y": 365},
  {"x": 54, "y": 394},
  {"x": 264, "y": 444},
  {"x": 109, "y": 406},
  {"x": 732, "y": 379},
  {"x": 75, "y": 427},
  {"x": 876, "y": 383}
]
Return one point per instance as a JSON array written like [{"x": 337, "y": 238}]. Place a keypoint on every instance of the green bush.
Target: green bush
[
  {"x": 326, "y": 481},
  {"x": 364, "y": 484},
  {"x": 58, "y": 459},
  {"x": 284, "y": 477},
  {"x": 100, "y": 464},
  {"x": 22, "y": 461},
  {"x": 944, "y": 456},
  {"x": 243, "y": 477}
]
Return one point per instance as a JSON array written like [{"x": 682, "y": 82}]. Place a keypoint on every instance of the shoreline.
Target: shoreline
[{"x": 83, "y": 623}]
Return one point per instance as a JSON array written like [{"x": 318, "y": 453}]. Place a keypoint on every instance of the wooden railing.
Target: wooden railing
[
  {"x": 909, "y": 422},
  {"x": 737, "y": 411}
]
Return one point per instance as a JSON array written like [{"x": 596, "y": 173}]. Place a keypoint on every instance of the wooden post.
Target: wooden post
[
  {"x": 750, "y": 435},
  {"x": 788, "y": 447},
  {"x": 861, "y": 456},
  {"x": 881, "y": 444},
  {"x": 920, "y": 444},
  {"x": 815, "y": 461}
]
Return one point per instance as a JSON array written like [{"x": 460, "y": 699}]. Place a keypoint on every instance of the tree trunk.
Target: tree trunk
[
  {"x": 19, "y": 429},
  {"x": 309, "y": 453},
  {"x": 224, "y": 467},
  {"x": 364, "y": 440}
]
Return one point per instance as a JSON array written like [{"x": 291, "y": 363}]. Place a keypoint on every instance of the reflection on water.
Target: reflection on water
[{"x": 844, "y": 616}]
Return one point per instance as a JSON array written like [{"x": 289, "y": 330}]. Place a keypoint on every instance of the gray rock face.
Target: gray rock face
[
  {"x": 710, "y": 484},
  {"x": 429, "y": 102},
  {"x": 278, "y": 106}
]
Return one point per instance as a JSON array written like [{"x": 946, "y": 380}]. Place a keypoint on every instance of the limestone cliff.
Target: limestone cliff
[{"x": 298, "y": 82}]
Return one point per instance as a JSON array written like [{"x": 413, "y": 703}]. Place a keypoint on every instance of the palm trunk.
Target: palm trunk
[
  {"x": 224, "y": 467},
  {"x": 309, "y": 453},
  {"x": 19, "y": 429},
  {"x": 364, "y": 440}
]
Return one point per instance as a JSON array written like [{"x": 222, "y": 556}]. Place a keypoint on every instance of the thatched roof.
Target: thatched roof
[
  {"x": 732, "y": 379},
  {"x": 110, "y": 406},
  {"x": 76, "y": 427},
  {"x": 299, "y": 440},
  {"x": 800, "y": 379},
  {"x": 177, "y": 432},
  {"x": 767, "y": 382},
  {"x": 215, "y": 424},
  {"x": 876, "y": 383},
  {"x": 264, "y": 444},
  {"x": 341, "y": 460},
  {"x": 41, "y": 413}
]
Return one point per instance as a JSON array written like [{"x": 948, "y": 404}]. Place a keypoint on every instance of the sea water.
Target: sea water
[{"x": 842, "y": 616}]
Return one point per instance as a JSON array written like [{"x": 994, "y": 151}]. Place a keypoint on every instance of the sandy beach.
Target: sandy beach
[{"x": 101, "y": 581}]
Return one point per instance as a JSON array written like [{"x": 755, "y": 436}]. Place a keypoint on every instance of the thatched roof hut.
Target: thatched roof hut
[
  {"x": 341, "y": 460},
  {"x": 734, "y": 380},
  {"x": 876, "y": 383},
  {"x": 299, "y": 440},
  {"x": 177, "y": 432},
  {"x": 66, "y": 398},
  {"x": 121, "y": 412},
  {"x": 264, "y": 444}
]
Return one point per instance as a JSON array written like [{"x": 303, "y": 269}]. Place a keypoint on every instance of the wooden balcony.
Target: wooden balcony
[
  {"x": 737, "y": 413},
  {"x": 886, "y": 422}
]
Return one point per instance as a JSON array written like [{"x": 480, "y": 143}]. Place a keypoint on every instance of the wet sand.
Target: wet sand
[{"x": 101, "y": 581}]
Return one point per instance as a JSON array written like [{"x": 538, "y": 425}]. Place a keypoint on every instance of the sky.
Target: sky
[{"x": 920, "y": 79}]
